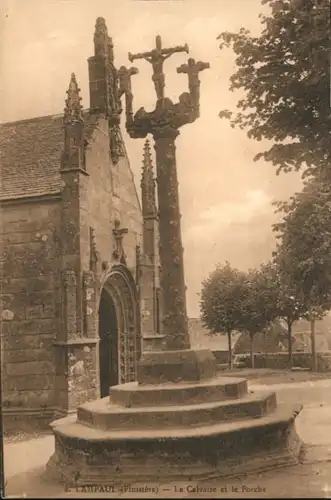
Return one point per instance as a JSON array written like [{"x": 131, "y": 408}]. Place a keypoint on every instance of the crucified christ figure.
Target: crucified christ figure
[{"x": 156, "y": 58}]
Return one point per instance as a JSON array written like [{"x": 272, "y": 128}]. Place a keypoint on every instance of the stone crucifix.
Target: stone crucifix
[
  {"x": 156, "y": 58},
  {"x": 118, "y": 232},
  {"x": 163, "y": 124}
]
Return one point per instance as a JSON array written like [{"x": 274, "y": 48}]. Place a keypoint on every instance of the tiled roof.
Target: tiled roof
[{"x": 30, "y": 156}]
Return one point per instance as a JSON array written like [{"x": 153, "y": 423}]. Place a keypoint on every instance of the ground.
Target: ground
[{"x": 26, "y": 455}]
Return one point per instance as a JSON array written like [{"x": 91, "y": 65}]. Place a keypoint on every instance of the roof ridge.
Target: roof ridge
[{"x": 37, "y": 118}]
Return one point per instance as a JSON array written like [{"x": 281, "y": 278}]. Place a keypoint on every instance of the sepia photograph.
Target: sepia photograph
[{"x": 165, "y": 249}]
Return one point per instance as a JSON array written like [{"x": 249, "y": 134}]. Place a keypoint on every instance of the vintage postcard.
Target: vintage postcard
[{"x": 165, "y": 195}]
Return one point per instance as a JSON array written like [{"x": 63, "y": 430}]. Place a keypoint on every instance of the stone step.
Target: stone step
[
  {"x": 70, "y": 428},
  {"x": 224, "y": 449},
  {"x": 103, "y": 415},
  {"x": 206, "y": 391}
]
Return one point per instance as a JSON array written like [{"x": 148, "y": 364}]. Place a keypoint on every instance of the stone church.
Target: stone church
[{"x": 79, "y": 261}]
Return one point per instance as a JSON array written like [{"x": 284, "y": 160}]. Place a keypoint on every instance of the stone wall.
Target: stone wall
[
  {"x": 222, "y": 357},
  {"x": 33, "y": 240},
  {"x": 279, "y": 360},
  {"x": 106, "y": 192},
  {"x": 324, "y": 361},
  {"x": 81, "y": 374},
  {"x": 30, "y": 303},
  {"x": 263, "y": 342}
]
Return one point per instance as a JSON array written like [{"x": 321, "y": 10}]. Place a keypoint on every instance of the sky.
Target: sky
[{"x": 225, "y": 197}]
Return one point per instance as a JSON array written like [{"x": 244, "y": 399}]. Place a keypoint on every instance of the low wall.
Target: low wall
[
  {"x": 279, "y": 360},
  {"x": 222, "y": 357}
]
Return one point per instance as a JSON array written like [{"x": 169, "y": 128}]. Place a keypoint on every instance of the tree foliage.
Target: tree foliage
[
  {"x": 221, "y": 301},
  {"x": 259, "y": 306},
  {"x": 304, "y": 249},
  {"x": 235, "y": 300},
  {"x": 287, "y": 304},
  {"x": 284, "y": 74},
  {"x": 283, "y": 293},
  {"x": 304, "y": 244}
]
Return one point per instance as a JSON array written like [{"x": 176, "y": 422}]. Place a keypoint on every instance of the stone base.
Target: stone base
[
  {"x": 100, "y": 415},
  {"x": 216, "y": 389},
  {"x": 27, "y": 419},
  {"x": 84, "y": 455},
  {"x": 179, "y": 422},
  {"x": 159, "y": 367}
]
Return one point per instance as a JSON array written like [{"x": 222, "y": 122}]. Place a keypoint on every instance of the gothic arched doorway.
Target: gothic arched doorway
[
  {"x": 119, "y": 329},
  {"x": 108, "y": 346}
]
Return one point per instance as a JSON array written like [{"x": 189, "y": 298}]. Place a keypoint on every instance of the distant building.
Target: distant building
[
  {"x": 275, "y": 340},
  {"x": 263, "y": 342},
  {"x": 301, "y": 331},
  {"x": 201, "y": 338}
]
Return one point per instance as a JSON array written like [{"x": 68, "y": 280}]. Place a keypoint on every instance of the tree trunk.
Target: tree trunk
[
  {"x": 252, "y": 351},
  {"x": 290, "y": 345},
  {"x": 313, "y": 343},
  {"x": 230, "y": 350}
]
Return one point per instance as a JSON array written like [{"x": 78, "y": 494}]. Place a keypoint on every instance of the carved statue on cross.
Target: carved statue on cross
[
  {"x": 163, "y": 124},
  {"x": 156, "y": 58},
  {"x": 118, "y": 232},
  {"x": 124, "y": 76},
  {"x": 192, "y": 69}
]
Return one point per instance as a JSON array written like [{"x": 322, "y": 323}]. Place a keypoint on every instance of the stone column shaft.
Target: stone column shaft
[
  {"x": 90, "y": 313},
  {"x": 70, "y": 305},
  {"x": 175, "y": 326}
]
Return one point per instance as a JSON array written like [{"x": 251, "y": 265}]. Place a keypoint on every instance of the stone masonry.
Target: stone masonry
[{"x": 65, "y": 181}]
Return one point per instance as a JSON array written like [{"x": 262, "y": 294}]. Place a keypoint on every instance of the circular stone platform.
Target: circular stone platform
[{"x": 197, "y": 428}]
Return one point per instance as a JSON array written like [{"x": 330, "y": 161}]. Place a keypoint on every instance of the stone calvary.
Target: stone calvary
[{"x": 179, "y": 420}]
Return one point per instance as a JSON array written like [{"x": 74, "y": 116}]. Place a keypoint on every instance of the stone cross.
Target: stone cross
[
  {"x": 156, "y": 58},
  {"x": 119, "y": 233},
  {"x": 192, "y": 69},
  {"x": 163, "y": 124}
]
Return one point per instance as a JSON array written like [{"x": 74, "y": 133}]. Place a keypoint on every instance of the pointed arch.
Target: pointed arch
[{"x": 120, "y": 285}]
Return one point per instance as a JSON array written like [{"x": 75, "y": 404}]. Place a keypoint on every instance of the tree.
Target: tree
[
  {"x": 284, "y": 74},
  {"x": 258, "y": 306},
  {"x": 288, "y": 306},
  {"x": 221, "y": 300},
  {"x": 304, "y": 241},
  {"x": 304, "y": 247}
]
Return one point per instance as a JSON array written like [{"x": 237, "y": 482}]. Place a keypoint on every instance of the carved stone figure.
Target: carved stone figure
[
  {"x": 118, "y": 232},
  {"x": 156, "y": 58}
]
